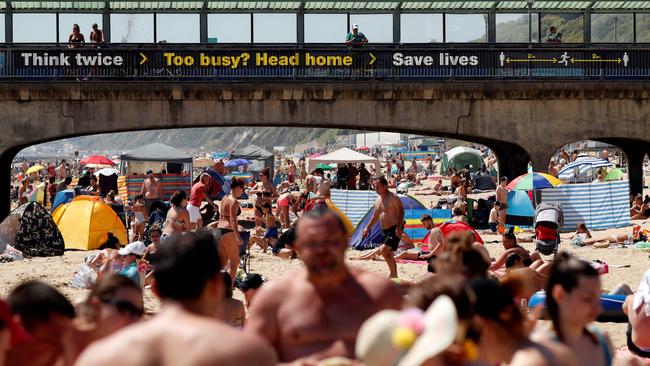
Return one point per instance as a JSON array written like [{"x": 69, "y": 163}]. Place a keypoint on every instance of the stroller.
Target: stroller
[
  {"x": 157, "y": 215},
  {"x": 548, "y": 221}
]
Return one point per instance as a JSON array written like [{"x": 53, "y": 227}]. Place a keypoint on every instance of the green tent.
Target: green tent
[{"x": 460, "y": 156}]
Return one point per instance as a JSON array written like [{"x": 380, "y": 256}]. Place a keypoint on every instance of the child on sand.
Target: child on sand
[{"x": 267, "y": 235}]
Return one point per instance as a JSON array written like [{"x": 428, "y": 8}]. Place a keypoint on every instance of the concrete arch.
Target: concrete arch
[{"x": 524, "y": 121}]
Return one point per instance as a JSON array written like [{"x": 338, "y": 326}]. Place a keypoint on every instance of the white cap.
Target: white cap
[
  {"x": 137, "y": 248},
  {"x": 355, "y": 26}
]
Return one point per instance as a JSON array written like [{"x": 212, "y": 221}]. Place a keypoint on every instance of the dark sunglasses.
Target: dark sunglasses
[{"x": 126, "y": 308}]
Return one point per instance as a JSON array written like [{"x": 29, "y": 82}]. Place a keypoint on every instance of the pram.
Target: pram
[
  {"x": 548, "y": 221},
  {"x": 157, "y": 215}
]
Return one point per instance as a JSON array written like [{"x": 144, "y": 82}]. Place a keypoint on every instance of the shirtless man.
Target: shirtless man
[
  {"x": 390, "y": 212},
  {"x": 435, "y": 239},
  {"x": 62, "y": 170},
  {"x": 184, "y": 331},
  {"x": 151, "y": 190},
  {"x": 315, "y": 313},
  {"x": 502, "y": 196}
]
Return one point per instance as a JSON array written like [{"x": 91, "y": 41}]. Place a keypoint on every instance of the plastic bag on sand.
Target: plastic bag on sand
[
  {"x": 85, "y": 278},
  {"x": 11, "y": 254}
]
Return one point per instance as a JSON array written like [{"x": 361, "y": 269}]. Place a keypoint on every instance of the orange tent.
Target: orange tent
[{"x": 86, "y": 221}]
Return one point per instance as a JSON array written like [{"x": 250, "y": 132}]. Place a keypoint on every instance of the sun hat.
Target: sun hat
[
  {"x": 409, "y": 337},
  {"x": 136, "y": 248}
]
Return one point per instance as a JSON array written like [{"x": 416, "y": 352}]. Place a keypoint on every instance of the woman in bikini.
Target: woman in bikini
[
  {"x": 266, "y": 192},
  {"x": 178, "y": 218},
  {"x": 227, "y": 232},
  {"x": 285, "y": 201}
]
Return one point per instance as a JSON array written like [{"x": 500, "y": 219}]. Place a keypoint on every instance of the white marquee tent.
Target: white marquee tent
[{"x": 344, "y": 156}]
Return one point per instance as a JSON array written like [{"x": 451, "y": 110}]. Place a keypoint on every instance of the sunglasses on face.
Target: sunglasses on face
[{"x": 126, "y": 308}]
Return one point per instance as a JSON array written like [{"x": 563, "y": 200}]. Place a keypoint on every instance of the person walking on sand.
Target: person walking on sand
[{"x": 390, "y": 213}]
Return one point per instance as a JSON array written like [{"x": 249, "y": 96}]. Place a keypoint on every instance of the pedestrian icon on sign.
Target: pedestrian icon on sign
[
  {"x": 502, "y": 58},
  {"x": 626, "y": 59},
  {"x": 564, "y": 59}
]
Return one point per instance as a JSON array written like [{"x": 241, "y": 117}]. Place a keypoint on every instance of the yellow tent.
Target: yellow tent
[{"x": 86, "y": 221}]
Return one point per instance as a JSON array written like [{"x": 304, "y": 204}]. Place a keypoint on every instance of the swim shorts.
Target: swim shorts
[
  {"x": 390, "y": 237},
  {"x": 271, "y": 233},
  {"x": 284, "y": 202}
]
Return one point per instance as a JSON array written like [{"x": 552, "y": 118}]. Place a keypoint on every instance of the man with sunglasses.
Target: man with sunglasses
[{"x": 187, "y": 330}]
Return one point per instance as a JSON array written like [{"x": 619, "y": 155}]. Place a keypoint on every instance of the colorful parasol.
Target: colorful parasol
[
  {"x": 97, "y": 160},
  {"x": 533, "y": 181},
  {"x": 34, "y": 169}
]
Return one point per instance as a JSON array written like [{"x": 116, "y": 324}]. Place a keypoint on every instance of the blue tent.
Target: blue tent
[
  {"x": 63, "y": 197},
  {"x": 373, "y": 239},
  {"x": 520, "y": 209}
]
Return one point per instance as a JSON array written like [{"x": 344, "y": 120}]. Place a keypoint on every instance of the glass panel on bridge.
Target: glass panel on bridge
[
  {"x": 275, "y": 28},
  {"x": 178, "y": 28},
  {"x": 643, "y": 28},
  {"x": 132, "y": 28},
  {"x": 85, "y": 22},
  {"x": 229, "y": 28},
  {"x": 570, "y": 25},
  {"x": 2, "y": 28},
  {"x": 421, "y": 28},
  {"x": 25, "y": 31},
  {"x": 325, "y": 28},
  {"x": 513, "y": 28},
  {"x": 612, "y": 28},
  {"x": 378, "y": 28},
  {"x": 466, "y": 28}
]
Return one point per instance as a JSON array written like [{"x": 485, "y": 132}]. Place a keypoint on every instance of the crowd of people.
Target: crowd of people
[{"x": 463, "y": 313}]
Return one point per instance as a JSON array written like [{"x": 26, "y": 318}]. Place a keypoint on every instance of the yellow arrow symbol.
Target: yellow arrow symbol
[
  {"x": 618, "y": 60},
  {"x": 144, "y": 58},
  {"x": 372, "y": 58},
  {"x": 509, "y": 60}
]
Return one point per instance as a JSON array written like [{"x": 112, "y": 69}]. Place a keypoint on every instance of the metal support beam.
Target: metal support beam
[
  {"x": 397, "y": 25},
  {"x": 203, "y": 24},
  {"x": 155, "y": 27},
  {"x": 9, "y": 23},
  {"x": 106, "y": 22},
  {"x": 491, "y": 26},
  {"x": 300, "y": 24},
  {"x": 58, "y": 36}
]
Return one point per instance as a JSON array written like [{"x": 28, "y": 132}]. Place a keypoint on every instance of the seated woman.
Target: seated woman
[
  {"x": 640, "y": 208},
  {"x": 108, "y": 260}
]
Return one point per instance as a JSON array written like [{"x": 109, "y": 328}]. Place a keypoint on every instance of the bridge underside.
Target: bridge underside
[{"x": 520, "y": 122}]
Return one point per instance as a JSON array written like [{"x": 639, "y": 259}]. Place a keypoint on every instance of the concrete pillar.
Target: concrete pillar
[
  {"x": 635, "y": 171},
  {"x": 6, "y": 158},
  {"x": 512, "y": 159},
  {"x": 540, "y": 157}
]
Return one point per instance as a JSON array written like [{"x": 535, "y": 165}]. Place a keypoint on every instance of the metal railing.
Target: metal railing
[{"x": 226, "y": 63}]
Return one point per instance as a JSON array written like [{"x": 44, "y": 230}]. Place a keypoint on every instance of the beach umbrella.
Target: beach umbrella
[
  {"x": 614, "y": 174},
  {"x": 324, "y": 166},
  {"x": 97, "y": 160},
  {"x": 237, "y": 162},
  {"x": 582, "y": 169},
  {"x": 533, "y": 181},
  {"x": 34, "y": 169},
  {"x": 363, "y": 148}
]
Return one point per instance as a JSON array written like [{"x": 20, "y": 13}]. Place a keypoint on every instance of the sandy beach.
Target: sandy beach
[{"x": 58, "y": 270}]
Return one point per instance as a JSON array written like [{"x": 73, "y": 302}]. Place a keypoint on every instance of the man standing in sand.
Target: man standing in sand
[
  {"x": 188, "y": 279},
  {"x": 315, "y": 313},
  {"x": 390, "y": 212},
  {"x": 502, "y": 197},
  {"x": 151, "y": 190}
]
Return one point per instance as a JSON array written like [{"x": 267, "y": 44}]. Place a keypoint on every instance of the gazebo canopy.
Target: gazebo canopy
[
  {"x": 344, "y": 156},
  {"x": 157, "y": 152}
]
